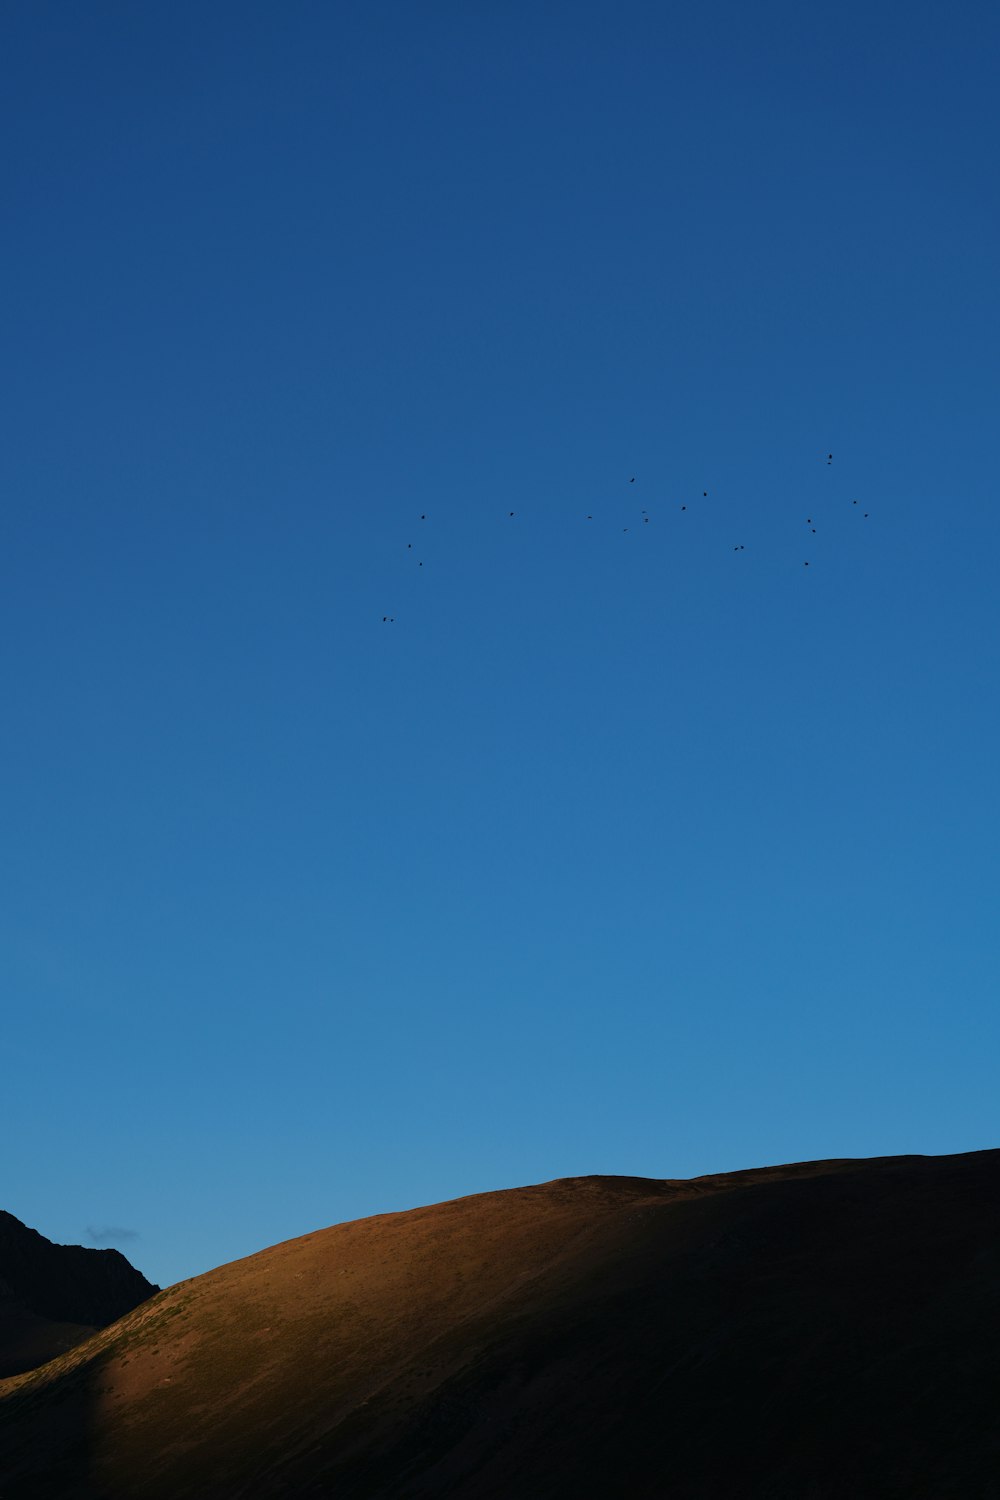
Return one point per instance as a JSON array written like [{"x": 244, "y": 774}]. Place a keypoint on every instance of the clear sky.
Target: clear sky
[{"x": 612, "y": 850}]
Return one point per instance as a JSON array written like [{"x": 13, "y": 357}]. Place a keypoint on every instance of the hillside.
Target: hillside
[
  {"x": 52, "y": 1297},
  {"x": 828, "y": 1329}
]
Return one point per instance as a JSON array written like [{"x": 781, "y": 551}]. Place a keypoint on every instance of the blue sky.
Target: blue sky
[{"x": 614, "y": 850}]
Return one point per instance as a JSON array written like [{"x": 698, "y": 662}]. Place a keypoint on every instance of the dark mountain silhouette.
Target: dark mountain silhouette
[
  {"x": 52, "y": 1297},
  {"x": 820, "y": 1331}
]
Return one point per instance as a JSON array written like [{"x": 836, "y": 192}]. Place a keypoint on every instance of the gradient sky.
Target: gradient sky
[{"x": 617, "y": 850}]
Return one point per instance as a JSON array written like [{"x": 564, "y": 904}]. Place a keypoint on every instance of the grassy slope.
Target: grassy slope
[
  {"x": 828, "y": 1329},
  {"x": 27, "y": 1340}
]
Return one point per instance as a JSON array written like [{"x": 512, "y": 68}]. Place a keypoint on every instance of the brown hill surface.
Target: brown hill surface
[
  {"x": 55, "y": 1296},
  {"x": 830, "y": 1329}
]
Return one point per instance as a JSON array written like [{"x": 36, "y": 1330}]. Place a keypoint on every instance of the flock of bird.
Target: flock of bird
[{"x": 737, "y": 547}]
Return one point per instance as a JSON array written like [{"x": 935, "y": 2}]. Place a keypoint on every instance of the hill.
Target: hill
[
  {"x": 827, "y": 1329},
  {"x": 52, "y": 1297}
]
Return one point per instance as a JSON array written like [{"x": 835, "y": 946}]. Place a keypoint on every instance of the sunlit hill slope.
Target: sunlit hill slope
[{"x": 829, "y": 1329}]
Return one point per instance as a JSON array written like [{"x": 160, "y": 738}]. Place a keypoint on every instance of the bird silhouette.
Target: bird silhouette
[{"x": 737, "y": 546}]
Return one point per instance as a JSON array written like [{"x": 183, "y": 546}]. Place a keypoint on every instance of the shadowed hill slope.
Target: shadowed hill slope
[
  {"x": 54, "y": 1296},
  {"x": 830, "y": 1329}
]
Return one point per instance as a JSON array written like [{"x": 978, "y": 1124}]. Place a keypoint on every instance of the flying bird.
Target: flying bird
[{"x": 737, "y": 547}]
